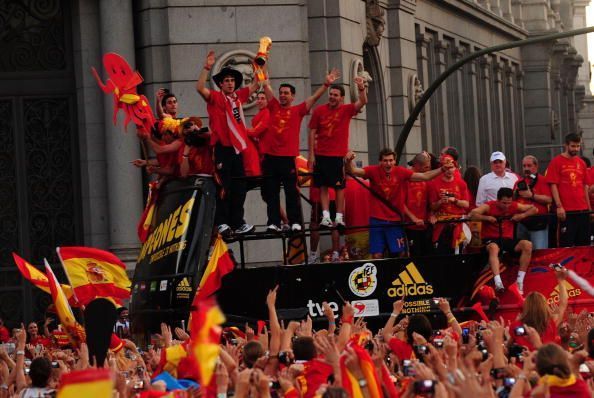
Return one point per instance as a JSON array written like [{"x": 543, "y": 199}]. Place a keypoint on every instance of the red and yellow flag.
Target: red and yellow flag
[
  {"x": 95, "y": 273},
  {"x": 96, "y": 383},
  {"x": 205, "y": 332},
  {"x": 350, "y": 382},
  {"x": 38, "y": 278},
  {"x": 74, "y": 330},
  {"x": 219, "y": 265},
  {"x": 145, "y": 224}
]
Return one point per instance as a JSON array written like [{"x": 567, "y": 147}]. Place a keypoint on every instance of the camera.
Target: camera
[
  {"x": 424, "y": 387},
  {"x": 421, "y": 350},
  {"x": 274, "y": 385},
  {"x": 509, "y": 382},
  {"x": 516, "y": 351},
  {"x": 520, "y": 331},
  {"x": 138, "y": 385},
  {"x": 498, "y": 373},
  {"x": 438, "y": 343},
  {"x": 55, "y": 364},
  {"x": 194, "y": 137},
  {"x": 283, "y": 357},
  {"x": 522, "y": 186},
  {"x": 407, "y": 368}
]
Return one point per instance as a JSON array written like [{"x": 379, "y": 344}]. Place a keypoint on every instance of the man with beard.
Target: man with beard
[
  {"x": 328, "y": 145},
  {"x": 567, "y": 174},
  {"x": 386, "y": 180},
  {"x": 534, "y": 189},
  {"x": 282, "y": 147},
  {"x": 415, "y": 208},
  {"x": 229, "y": 138}
]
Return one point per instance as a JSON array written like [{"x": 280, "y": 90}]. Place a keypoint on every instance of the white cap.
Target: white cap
[{"x": 497, "y": 156}]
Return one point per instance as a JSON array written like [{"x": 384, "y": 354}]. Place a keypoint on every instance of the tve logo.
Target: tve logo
[{"x": 316, "y": 310}]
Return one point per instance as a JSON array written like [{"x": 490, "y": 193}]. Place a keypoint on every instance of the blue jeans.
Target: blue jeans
[{"x": 539, "y": 239}]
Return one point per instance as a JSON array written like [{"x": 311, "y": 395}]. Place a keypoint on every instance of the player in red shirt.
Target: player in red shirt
[
  {"x": 328, "y": 145},
  {"x": 257, "y": 137},
  {"x": 229, "y": 138},
  {"x": 534, "y": 189},
  {"x": 386, "y": 180},
  {"x": 415, "y": 207},
  {"x": 166, "y": 104},
  {"x": 569, "y": 186},
  {"x": 448, "y": 199},
  {"x": 497, "y": 237},
  {"x": 281, "y": 148},
  {"x": 195, "y": 154}
]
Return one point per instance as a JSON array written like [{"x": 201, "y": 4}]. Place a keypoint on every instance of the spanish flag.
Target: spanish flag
[
  {"x": 38, "y": 278},
  {"x": 219, "y": 265},
  {"x": 205, "y": 332},
  {"x": 94, "y": 273},
  {"x": 145, "y": 224},
  {"x": 74, "y": 330},
  {"x": 96, "y": 383},
  {"x": 350, "y": 382}
]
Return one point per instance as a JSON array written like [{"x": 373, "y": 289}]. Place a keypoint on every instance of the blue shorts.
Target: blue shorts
[{"x": 391, "y": 236}]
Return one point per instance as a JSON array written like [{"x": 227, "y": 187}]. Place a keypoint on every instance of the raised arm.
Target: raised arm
[
  {"x": 330, "y": 78},
  {"x": 350, "y": 168},
  {"x": 268, "y": 91},
  {"x": 428, "y": 175},
  {"x": 158, "y": 106},
  {"x": 201, "y": 83},
  {"x": 275, "y": 329},
  {"x": 362, "y": 100}
]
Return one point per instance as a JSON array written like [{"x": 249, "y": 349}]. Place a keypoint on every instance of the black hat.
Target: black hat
[{"x": 226, "y": 71}]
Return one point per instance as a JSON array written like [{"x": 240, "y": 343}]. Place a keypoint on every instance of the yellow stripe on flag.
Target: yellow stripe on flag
[{"x": 96, "y": 383}]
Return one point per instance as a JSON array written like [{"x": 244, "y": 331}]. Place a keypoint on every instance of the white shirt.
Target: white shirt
[{"x": 490, "y": 183}]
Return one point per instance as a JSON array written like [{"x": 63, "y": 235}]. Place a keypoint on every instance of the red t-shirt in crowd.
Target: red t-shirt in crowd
[
  {"x": 332, "y": 129},
  {"x": 570, "y": 176},
  {"x": 315, "y": 373},
  {"x": 259, "y": 129},
  {"x": 4, "y": 334},
  {"x": 415, "y": 196},
  {"x": 216, "y": 106},
  {"x": 388, "y": 186},
  {"x": 550, "y": 335},
  {"x": 491, "y": 230},
  {"x": 199, "y": 159},
  {"x": 283, "y": 131},
  {"x": 457, "y": 187},
  {"x": 40, "y": 340},
  {"x": 579, "y": 389},
  {"x": 541, "y": 187}
]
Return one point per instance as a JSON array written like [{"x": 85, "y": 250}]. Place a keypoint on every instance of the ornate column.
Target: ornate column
[
  {"x": 474, "y": 147},
  {"x": 517, "y": 12},
  {"x": 423, "y": 43},
  {"x": 510, "y": 112},
  {"x": 485, "y": 115},
  {"x": 497, "y": 106},
  {"x": 441, "y": 48},
  {"x": 506, "y": 10},
  {"x": 124, "y": 181},
  {"x": 459, "y": 135}
]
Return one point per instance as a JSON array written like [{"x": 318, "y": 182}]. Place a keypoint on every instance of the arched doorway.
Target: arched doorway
[{"x": 377, "y": 126}]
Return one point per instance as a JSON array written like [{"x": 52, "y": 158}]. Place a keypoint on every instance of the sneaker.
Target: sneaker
[
  {"x": 313, "y": 258},
  {"x": 326, "y": 223},
  {"x": 273, "y": 228},
  {"x": 224, "y": 230},
  {"x": 335, "y": 257},
  {"x": 244, "y": 229},
  {"x": 296, "y": 227},
  {"x": 339, "y": 222}
]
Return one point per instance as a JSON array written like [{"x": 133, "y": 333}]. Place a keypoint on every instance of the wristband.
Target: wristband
[
  {"x": 20, "y": 352},
  {"x": 222, "y": 395},
  {"x": 332, "y": 322},
  {"x": 3, "y": 387},
  {"x": 348, "y": 319},
  {"x": 326, "y": 84},
  {"x": 207, "y": 67},
  {"x": 451, "y": 319},
  {"x": 394, "y": 315}
]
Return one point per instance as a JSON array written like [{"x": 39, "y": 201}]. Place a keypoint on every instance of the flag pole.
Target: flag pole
[{"x": 68, "y": 277}]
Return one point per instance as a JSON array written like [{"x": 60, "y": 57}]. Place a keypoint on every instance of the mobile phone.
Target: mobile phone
[
  {"x": 465, "y": 335},
  {"x": 498, "y": 373},
  {"x": 556, "y": 266},
  {"x": 274, "y": 385},
  {"x": 407, "y": 368},
  {"x": 520, "y": 331},
  {"x": 516, "y": 351},
  {"x": 55, "y": 364},
  {"x": 421, "y": 350},
  {"x": 138, "y": 385},
  {"x": 424, "y": 386},
  {"x": 438, "y": 343}
]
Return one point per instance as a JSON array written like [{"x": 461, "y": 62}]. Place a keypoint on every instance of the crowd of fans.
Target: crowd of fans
[{"x": 546, "y": 352}]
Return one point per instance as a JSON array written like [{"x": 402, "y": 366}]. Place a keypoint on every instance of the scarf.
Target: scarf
[
  {"x": 556, "y": 381},
  {"x": 236, "y": 123}
]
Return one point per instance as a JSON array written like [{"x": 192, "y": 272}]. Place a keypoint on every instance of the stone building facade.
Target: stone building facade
[{"x": 67, "y": 177}]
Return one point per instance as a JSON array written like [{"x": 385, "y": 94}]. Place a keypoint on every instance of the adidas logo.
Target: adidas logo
[
  {"x": 183, "y": 286},
  {"x": 572, "y": 291},
  {"x": 410, "y": 282}
]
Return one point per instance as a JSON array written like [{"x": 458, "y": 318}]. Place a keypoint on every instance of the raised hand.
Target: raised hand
[
  {"x": 332, "y": 76},
  {"x": 210, "y": 59}
]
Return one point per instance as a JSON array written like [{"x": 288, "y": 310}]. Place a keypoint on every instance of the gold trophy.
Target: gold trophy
[{"x": 262, "y": 58}]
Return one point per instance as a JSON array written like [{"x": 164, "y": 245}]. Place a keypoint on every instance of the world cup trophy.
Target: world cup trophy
[{"x": 262, "y": 58}]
